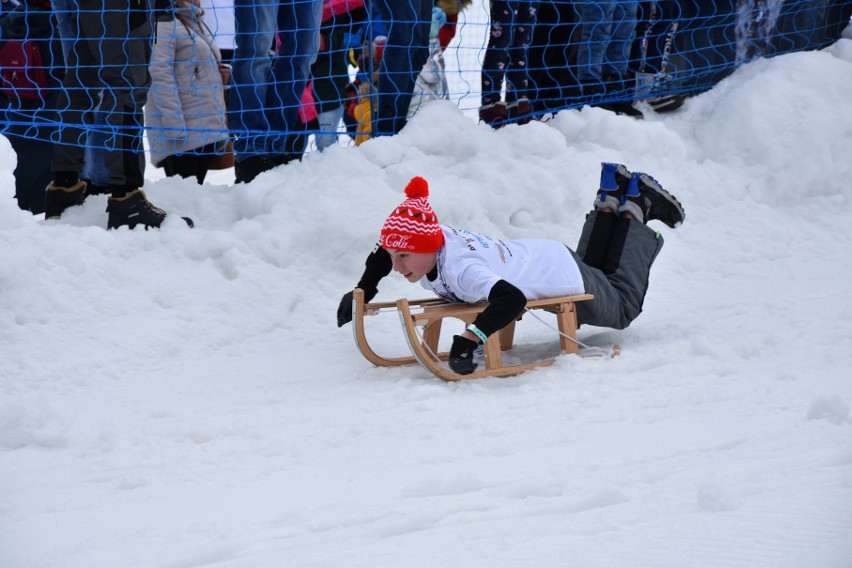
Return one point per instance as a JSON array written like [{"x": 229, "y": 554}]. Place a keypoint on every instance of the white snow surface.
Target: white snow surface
[{"x": 183, "y": 398}]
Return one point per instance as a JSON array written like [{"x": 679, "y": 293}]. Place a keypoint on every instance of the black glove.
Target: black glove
[
  {"x": 344, "y": 310},
  {"x": 461, "y": 355}
]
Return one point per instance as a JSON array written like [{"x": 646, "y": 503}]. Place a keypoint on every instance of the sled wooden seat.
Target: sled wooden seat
[{"x": 430, "y": 313}]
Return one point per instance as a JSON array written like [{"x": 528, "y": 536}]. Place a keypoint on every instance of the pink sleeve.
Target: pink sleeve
[
  {"x": 336, "y": 7},
  {"x": 308, "y": 108}
]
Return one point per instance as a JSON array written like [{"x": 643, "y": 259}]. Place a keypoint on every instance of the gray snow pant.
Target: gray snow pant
[
  {"x": 615, "y": 257},
  {"x": 109, "y": 58}
]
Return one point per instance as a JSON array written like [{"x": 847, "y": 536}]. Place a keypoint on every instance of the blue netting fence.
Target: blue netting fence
[{"x": 293, "y": 76}]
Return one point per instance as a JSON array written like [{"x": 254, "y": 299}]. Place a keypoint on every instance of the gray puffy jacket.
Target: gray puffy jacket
[{"x": 186, "y": 105}]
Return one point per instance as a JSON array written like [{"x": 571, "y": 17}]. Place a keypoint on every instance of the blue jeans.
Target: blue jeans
[
  {"x": 608, "y": 31},
  {"x": 270, "y": 71},
  {"x": 329, "y": 121},
  {"x": 405, "y": 53},
  {"x": 94, "y": 166}
]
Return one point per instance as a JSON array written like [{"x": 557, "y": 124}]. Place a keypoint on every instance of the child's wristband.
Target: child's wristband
[{"x": 477, "y": 332}]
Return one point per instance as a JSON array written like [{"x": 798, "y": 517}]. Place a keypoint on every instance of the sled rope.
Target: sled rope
[
  {"x": 589, "y": 350},
  {"x": 426, "y": 345}
]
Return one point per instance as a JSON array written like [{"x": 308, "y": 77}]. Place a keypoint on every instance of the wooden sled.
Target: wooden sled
[{"x": 429, "y": 315}]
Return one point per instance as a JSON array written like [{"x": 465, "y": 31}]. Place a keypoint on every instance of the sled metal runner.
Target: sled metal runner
[{"x": 429, "y": 315}]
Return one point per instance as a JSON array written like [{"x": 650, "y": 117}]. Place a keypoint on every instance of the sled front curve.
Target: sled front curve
[
  {"x": 360, "y": 310},
  {"x": 563, "y": 307}
]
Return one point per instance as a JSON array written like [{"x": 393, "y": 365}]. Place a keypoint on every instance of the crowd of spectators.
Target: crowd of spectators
[{"x": 244, "y": 83}]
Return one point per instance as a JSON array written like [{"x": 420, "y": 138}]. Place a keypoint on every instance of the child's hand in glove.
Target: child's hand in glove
[{"x": 461, "y": 355}]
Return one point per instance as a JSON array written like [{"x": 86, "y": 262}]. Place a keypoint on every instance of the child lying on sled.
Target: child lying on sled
[{"x": 612, "y": 261}]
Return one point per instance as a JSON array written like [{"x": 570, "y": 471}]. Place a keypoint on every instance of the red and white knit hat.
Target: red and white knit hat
[{"x": 413, "y": 226}]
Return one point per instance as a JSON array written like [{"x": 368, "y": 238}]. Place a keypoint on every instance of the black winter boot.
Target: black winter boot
[
  {"x": 625, "y": 108},
  {"x": 246, "y": 170},
  {"x": 57, "y": 198},
  {"x": 620, "y": 88},
  {"x": 135, "y": 209}
]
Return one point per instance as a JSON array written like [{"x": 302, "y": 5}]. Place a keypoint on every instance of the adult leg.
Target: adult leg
[
  {"x": 183, "y": 165},
  {"x": 193, "y": 164},
  {"x": 615, "y": 64},
  {"x": 94, "y": 166},
  {"x": 251, "y": 77},
  {"x": 125, "y": 52},
  {"x": 405, "y": 53},
  {"x": 202, "y": 163},
  {"x": 596, "y": 22},
  {"x": 550, "y": 57},
  {"x": 66, "y": 24},
  {"x": 496, "y": 59},
  {"x": 74, "y": 101},
  {"x": 617, "y": 57},
  {"x": 298, "y": 30},
  {"x": 517, "y": 74}
]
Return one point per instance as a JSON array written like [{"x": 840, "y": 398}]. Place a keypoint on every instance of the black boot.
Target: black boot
[
  {"x": 135, "y": 209},
  {"x": 246, "y": 170},
  {"x": 619, "y": 88},
  {"x": 57, "y": 198},
  {"x": 625, "y": 108}
]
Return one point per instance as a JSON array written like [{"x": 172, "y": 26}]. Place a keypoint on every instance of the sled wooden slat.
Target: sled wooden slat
[
  {"x": 429, "y": 315},
  {"x": 375, "y": 307}
]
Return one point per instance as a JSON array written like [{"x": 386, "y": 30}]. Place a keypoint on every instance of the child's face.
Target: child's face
[{"x": 412, "y": 265}]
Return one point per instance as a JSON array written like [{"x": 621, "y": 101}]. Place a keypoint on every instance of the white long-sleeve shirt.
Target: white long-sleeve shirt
[{"x": 469, "y": 264}]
